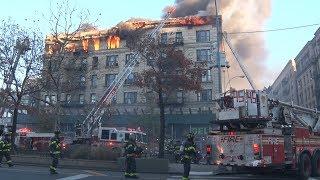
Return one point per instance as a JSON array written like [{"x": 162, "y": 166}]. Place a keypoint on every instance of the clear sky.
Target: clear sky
[{"x": 281, "y": 45}]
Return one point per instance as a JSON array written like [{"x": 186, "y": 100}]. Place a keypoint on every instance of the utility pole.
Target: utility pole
[{"x": 218, "y": 29}]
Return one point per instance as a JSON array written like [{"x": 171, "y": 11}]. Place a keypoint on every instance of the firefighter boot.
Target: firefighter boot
[{"x": 9, "y": 163}]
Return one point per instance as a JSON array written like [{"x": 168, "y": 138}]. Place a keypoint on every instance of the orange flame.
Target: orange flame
[
  {"x": 193, "y": 20},
  {"x": 85, "y": 44},
  {"x": 113, "y": 42},
  {"x": 96, "y": 43}
]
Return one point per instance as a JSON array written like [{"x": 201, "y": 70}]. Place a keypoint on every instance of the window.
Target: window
[
  {"x": 93, "y": 98},
  {"x": 203, "y": 36},
  {"x": 128, "y": 57},
  {"x": 151, "y": 62},
  {"x": 203, "y": 54},
  {"x": 68, "y": 98},
  {"x": 54, "y": 99},
  {"x": 82, "y": 80},
  {"x": 95, "y": 62},
  {"x": 112, "y": 61},
  {"x": 47, "y": 100},
  {"x": 179, "y": 38},
  {"x": 109, "y": 78},
  {"x": 113, "y": 136},
  {"x": 164, "y": 38},
  {"x": 105, "y": 134},
  {"x": 81, "y": 98},
  {"x": 130, "y": 79},
  {"x": 179, "y": 96},
  {"x": 130, "y": 97},
  {"x": 207, "y": 76},
  {"x": 205, "y": 95},
  {"x": 94, "y": 81}
]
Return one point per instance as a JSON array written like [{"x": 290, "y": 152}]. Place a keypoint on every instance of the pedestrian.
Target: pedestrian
[
  {"x": 130, "y": 153},
  {"x": 55, "y": 152},
  {"x": 5, "y": 149},
  {"x": 188, "y": 149}
]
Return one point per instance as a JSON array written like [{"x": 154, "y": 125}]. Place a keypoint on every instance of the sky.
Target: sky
[{"x": 281, "y": 45}]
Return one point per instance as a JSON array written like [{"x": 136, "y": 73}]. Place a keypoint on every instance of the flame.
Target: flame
[
  {"x": 113, "y": 42},
  {"x": 85, "y": 44},
  {"x": 96, "y": 43},
  {"x": 193, "y": 20}
]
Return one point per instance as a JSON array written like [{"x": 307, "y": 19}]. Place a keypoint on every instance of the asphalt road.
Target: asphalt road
[{"x": 42, "y": 173}]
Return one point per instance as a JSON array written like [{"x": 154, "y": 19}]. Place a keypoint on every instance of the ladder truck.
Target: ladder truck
[
  {"x": 259, "y": 133},
  {"x": 84, "y": 130}
]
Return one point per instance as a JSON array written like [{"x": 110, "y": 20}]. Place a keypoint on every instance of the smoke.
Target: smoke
[{"x": 237, "y": 16}]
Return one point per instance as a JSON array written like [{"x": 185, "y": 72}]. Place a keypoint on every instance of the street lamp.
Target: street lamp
[{"x": 242, "y": 76}]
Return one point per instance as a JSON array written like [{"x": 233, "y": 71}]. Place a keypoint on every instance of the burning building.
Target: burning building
[{"x": 105, "y": 53}]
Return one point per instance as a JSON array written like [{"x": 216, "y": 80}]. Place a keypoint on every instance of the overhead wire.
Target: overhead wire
[{"x": 273, "y": 30}]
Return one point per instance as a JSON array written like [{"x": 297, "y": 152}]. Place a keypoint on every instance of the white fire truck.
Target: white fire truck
[{"x": 114, "y": 137}]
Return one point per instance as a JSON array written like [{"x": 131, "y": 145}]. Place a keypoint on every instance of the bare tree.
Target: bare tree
[
  {"x": 21, "y": 53},
  {"x": 63, "y": 70},
  {"x": 169, "y": 72}
]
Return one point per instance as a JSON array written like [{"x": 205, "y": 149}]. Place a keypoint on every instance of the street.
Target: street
[{"x": 42, "y": 173}]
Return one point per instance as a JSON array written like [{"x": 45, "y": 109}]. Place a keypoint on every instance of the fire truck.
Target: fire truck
[
  {"x": 114, "y": 137},
  {"x": 260, "y": 133},
  {"x": 29, "y": 140}
]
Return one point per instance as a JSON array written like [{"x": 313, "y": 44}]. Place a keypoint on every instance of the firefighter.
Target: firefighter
[
  {"x": 55, "y": 151},
  {"x": 188, "y": 150},
  {"x": 130, "y": 153},
  {"x": 5, "y": 148},
  {"x": 177, "y": 151}
]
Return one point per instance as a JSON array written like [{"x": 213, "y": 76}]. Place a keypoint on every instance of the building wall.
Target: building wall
[
  {"x": 301, "y": 86},
  {"x": 284, "y": 87},
  {"x": 307, "y": 70},
  {"x": 190, "y": 105}
]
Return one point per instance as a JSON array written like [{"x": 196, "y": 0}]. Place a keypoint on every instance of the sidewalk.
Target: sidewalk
[{"x": 175, "y": 168}]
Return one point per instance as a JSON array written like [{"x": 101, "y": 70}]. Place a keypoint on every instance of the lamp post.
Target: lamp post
[{"x": 242, "y": 76}]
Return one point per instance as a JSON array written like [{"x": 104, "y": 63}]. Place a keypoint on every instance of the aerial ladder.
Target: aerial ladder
[
  {"x": 84, "y": 131},
  {"x": 304, "y": 116}
]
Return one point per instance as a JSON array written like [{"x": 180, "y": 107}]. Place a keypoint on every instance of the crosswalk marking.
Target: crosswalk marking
[
  {"x": 79, "y": 176},
  {"x": 201, "y": 173}
]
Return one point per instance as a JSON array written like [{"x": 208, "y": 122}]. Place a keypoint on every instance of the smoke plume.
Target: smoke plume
[{"x": 237, "y": 16}]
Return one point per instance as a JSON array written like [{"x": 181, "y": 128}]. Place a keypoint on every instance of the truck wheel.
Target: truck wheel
[
  {"x": 305, "y": 167},
  {"x": 316, "y": 164}
]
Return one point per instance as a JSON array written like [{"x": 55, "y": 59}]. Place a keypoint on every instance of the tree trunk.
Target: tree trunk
[
  {"x": 162, "y": 124},
  {"x": 14, "y": 124}
]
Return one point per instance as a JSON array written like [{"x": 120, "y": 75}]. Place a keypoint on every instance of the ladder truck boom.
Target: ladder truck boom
[
  {"x": 243, "y": 68},
  {"x": 302, "y": 110},
  {"x": 96, "y": 113}
]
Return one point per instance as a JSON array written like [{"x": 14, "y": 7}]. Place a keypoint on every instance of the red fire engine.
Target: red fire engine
[
  {"x": 258, "y": 132},
  {"x": 28, "y": 140}
]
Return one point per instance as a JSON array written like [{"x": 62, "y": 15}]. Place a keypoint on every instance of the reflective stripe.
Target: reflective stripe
[{"x": 52, "y": 168}]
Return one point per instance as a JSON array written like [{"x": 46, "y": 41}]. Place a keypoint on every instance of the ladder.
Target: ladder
[{"x": 97, "y": 112}]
